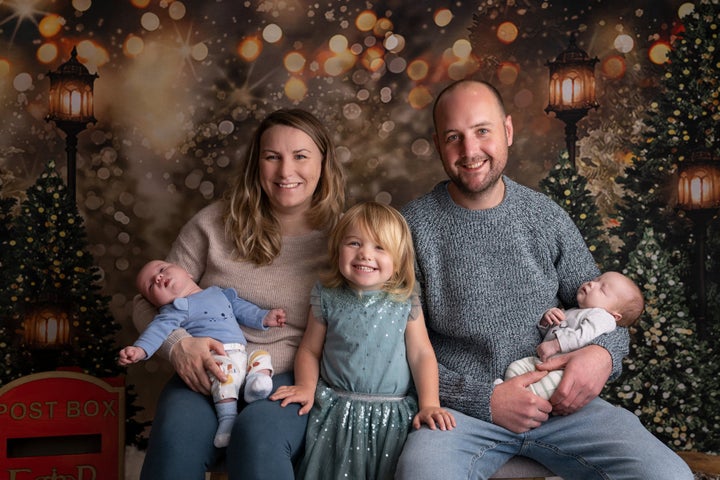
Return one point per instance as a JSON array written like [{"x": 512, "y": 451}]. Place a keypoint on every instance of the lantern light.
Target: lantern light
[
  {"x": 71, "y": 107},
  {"x": 46, "y": 326},
  {"x": 699, "y": 198},
  {"x": 572, "y": 90}
]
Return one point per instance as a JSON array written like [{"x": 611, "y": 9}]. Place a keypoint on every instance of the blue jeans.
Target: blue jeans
[
  {"x": 599, "y": 441},
  {"x": 265, "y": 441}
]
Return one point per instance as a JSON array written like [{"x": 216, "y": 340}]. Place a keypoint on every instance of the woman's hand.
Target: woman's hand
[{"x": 193, "y": 359}]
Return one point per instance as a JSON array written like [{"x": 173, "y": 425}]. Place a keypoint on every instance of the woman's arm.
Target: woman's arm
[
  {"x": 424, "y": 368},
  {"x": 307, "y": 368}
]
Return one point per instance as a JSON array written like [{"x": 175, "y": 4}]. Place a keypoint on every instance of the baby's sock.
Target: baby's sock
[
  {"x": 257, "y": 386},
  {"x": 226, "y": 413}
]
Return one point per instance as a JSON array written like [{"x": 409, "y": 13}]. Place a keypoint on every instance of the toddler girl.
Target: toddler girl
[{"x": 364, "y": 345}]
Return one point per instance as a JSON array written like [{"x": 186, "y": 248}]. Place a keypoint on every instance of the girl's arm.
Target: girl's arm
[
  {"x": 307, "y": 368},
  {"x": 424, "y": 368}
]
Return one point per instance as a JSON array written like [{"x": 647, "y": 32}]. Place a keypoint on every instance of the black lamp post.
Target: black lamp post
[
  {"x": 572, "y": 90},
  {"x": 699, "y": 197},
  {"x": 71, "y": 107}
]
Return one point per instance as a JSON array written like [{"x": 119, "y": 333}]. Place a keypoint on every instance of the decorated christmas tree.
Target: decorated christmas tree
[
  {"x": 52, "y": 313},
  {"x": 569, "y": 190},
  {"x": 669, "y": 377},
  {"x": 682, "y": 119},
  {"x": 50, "y": 289}
]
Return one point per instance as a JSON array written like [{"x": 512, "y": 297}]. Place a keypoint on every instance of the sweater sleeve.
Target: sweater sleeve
[{"x": 247, "y": 313}]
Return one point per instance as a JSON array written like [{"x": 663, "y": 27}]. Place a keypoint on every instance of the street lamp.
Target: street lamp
[
  {"x": 71, "y": 107},
  {"x": 699, "y": 197},
  {"x": 572, "y": 90}
]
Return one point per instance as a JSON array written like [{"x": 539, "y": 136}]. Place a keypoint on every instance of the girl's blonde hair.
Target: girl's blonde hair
[
  {"x": 249, "y": 219},
  {"x": 388, "y": 228}
]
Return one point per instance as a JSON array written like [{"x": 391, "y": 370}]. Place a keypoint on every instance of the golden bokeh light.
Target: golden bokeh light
[
  {"x": 420, "y": 97},
  {"x": 47, "y": 53},
  {"x": 140, "y": 3},
  {"x": 685, "y": 9},
  {"x": 295, "y": 89},
  {"x": 340, "y": 63},
  {"x": 272, "y": 33},
  {"x": 462, "y": 48},
  {"x": 92, "y": 53},
  {"x": 418, "y": 70},
  {"x": 613, "y": 66},
  {"x": 199, "y": 52},
  {"x": 658, "y": 52},
  {"x": 382, "y": 27},
  {"x": 294, "y": 62},
  {"x": 50, "y": 25},
  {"x": 150, "y": 21},
  {"x": 624, "y": 43},
  {"x": 133, "y": 46},
  {"x": 394, "y": 43},
  {"x": 507, "y": 32},
  {"x": 443, "y": 17},
  {"x": 82, "y": 5},
  {"x": 338, "y": 43},
  {"x": 373, "y": 59},
  {"x": 249, "y": 48},
  {"x": 177, "y": 10},
  {"x": 366, "y": 21},
  {"x": 508, "y": 72}
]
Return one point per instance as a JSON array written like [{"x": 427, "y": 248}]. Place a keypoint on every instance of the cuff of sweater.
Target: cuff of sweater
[{"x": 174, "y": 337}]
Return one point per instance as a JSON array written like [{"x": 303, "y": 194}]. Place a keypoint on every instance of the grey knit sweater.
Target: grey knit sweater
[{"x": 487, "y": 276}]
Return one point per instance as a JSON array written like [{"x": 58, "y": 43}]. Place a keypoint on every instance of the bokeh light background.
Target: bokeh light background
[{"x": 183, "y": 83}]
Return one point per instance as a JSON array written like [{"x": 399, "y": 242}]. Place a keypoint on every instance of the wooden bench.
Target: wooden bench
[{"x": 517, "y": 468}]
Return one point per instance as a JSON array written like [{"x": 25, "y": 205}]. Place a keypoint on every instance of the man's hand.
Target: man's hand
[
  {"x": 193, "y": 359},
  {"x": 586, "y": 372},
  {"x": 515, "y": 407}
]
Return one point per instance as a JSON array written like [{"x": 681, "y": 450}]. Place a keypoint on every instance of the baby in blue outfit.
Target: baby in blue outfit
[{"x": 211, "y": 312}]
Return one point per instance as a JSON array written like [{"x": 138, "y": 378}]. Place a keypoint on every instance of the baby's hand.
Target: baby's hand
[
  {"x": 547, "y": 349},
  {"x": 275, "y": 318},
  {"x": 434, "y": 417},
  {"x": 554, "y": 316},
  {"x": 130, "y": 355}
]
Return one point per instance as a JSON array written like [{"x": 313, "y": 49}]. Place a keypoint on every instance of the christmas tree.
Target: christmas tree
[
  {"x": 683, "y": 119},
  {"x": 669, "y": 377},
  {"x": 569, "y": 190},
  {"x": 52, "y": 313}
]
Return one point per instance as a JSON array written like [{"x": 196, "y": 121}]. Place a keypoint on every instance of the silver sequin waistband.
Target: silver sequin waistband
[{"x": 367, "y": 397}]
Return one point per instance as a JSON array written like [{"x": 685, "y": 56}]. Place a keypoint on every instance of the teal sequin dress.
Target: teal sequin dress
[{"x": 363, "y": 410}]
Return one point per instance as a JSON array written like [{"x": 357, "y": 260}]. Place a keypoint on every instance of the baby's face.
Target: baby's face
[
  {"x": 161, "y": 282},
  {"x": 608, "y": 291}
]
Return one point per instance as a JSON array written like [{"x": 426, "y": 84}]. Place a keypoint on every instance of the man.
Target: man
[{"x": 492, "y": 256}]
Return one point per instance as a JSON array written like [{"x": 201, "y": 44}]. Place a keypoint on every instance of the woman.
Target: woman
[{"x": 267, "y": 239}]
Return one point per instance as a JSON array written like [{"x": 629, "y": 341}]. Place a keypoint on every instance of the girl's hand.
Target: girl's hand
[
  {"x": 305, "y": 396},
  {"x": 434, "y": 417}
]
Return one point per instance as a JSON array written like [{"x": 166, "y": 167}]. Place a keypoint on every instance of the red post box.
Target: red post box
[{"x": 62, "y": 425}]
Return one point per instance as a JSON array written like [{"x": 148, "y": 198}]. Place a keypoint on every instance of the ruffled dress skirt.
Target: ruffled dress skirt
[{"x": 355, "y": 436}]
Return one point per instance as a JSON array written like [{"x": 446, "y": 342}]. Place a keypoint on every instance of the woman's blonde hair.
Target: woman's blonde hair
[
  {"x": 249, "y": 218},
  {"x": 388, "y": 228}
]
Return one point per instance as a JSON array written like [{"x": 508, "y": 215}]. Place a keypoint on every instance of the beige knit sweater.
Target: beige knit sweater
[{"x": 202, "y": 249}]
